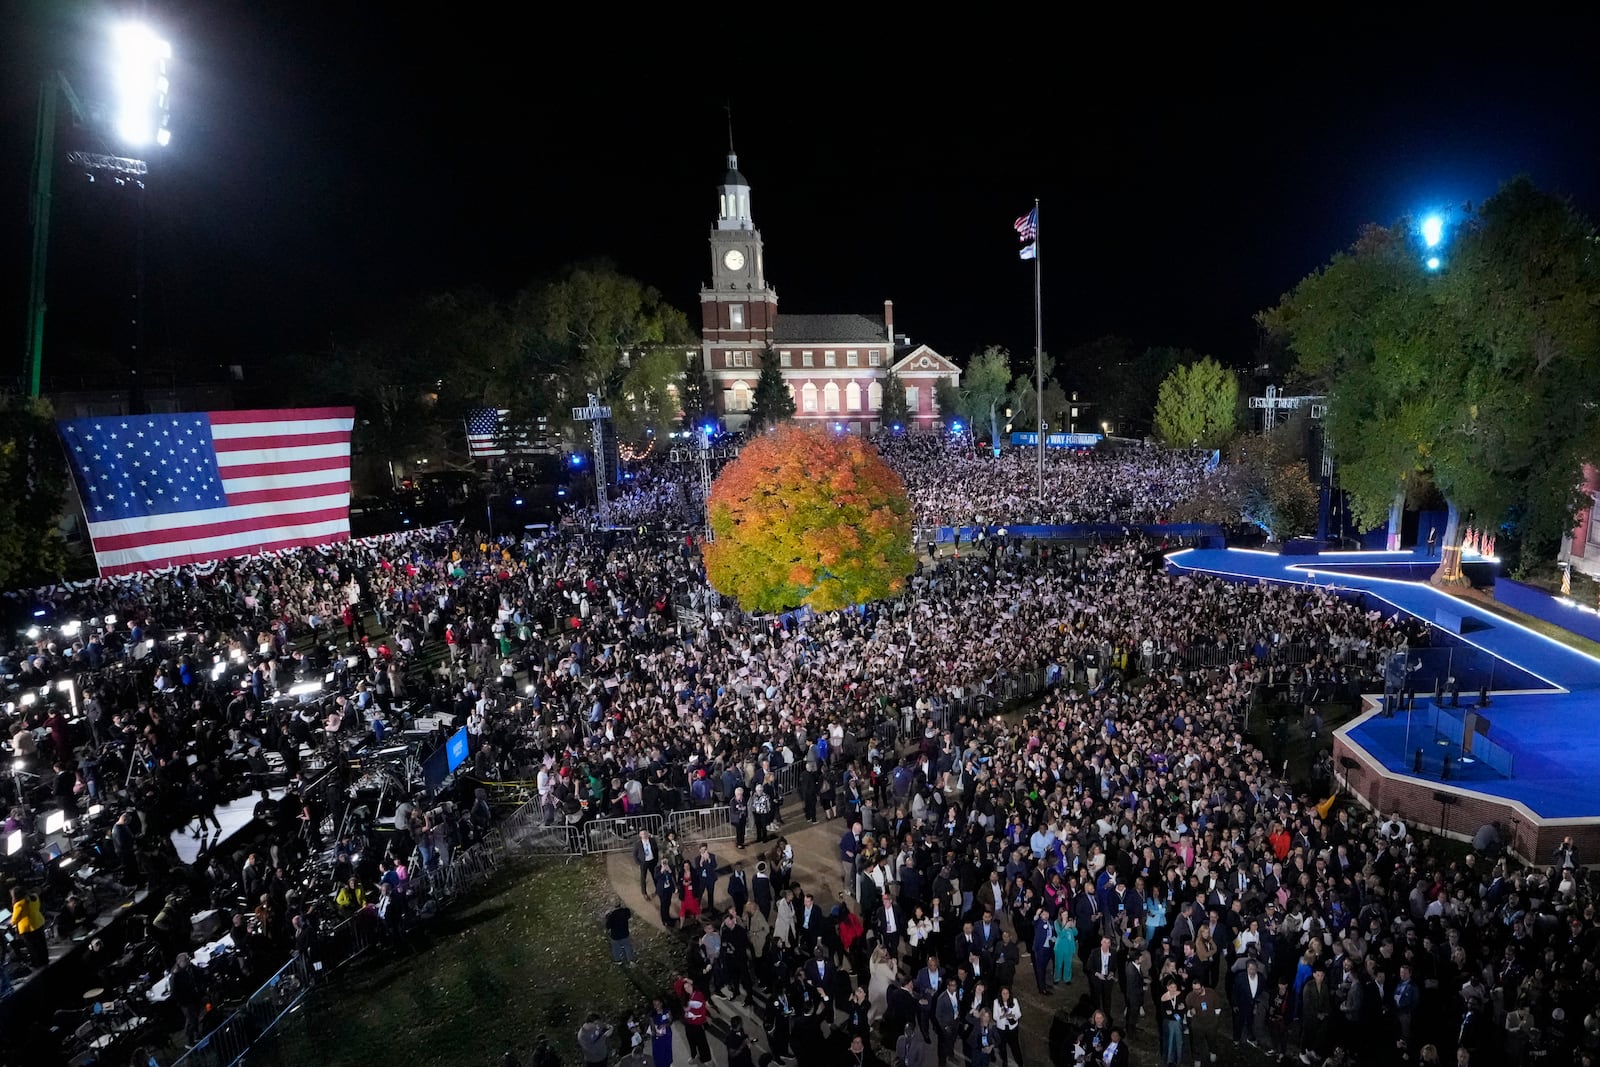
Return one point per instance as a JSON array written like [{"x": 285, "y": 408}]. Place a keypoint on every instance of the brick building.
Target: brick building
[{"x": 833, "y": 365}]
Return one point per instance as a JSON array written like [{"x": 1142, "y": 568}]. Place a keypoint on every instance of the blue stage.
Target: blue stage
[{"x": 1545, "y": 693}]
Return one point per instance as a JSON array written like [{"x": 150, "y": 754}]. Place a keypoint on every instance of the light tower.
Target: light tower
[{"x": 139, "y": 62}]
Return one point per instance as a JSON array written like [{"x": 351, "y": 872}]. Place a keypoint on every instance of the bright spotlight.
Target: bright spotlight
[
  {"x": 1432, "y": 230},
  {"x": 518, "y": 502},
  {"x": 33, "y": 633},
  {"x": 577, "y": 460},
  {"x": 70, "y": 629},
  {"x": 141, "y": 79},
  {"x": 1433, "y": 262},
  {"x": 955, "y": 427}
]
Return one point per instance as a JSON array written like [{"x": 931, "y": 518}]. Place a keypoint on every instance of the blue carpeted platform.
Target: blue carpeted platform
[{"x": 1549, "y": 735}]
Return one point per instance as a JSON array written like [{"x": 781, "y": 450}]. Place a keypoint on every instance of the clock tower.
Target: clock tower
[{"x": 738, "y": 310}]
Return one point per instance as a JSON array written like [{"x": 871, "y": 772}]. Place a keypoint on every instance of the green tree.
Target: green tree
[
  {"x": 582, "y": 323},
  {"x": 771, "y": 403},
  {"x": 981, "y": 396},
  {"x": 650, "y": 391},
  {"x": 895, "y": 412},
  {"x": 1025, "y": 410},
  {"x": 696, "y": 396},
  {"x": 33, "y": 485},
  {"x": 1473, "y": 379},
  {"x": 804, "y": 516},
  {"x": 1197, "y": 405}
]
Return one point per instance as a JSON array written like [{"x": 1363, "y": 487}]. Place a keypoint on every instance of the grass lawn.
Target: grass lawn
[{"x": 527, "y": 957}]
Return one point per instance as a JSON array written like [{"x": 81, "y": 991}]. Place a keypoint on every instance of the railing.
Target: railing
[
  {"x": 701, "y": 824},
  {"x": 253, "y": 1020},
  {"x": 619, "y": 834}
]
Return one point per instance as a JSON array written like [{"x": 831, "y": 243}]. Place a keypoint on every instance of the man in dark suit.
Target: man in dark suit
[
  {"x": 1105, "y": 971},
  {"x": 947, "y": 1016},
  {"x": 823, "y": 979},
  {"x": 666, "y": 884},
  {"x": 1134, "y": 987},
  {"x": 983, "y": 1043},
  {"x": 810, "y": 924},
  {"x": 646, "y": 855},
  {"x": 890, "y": 922},
  {"x": 738, "y": 888},
  {"x": 705, "y": 876}
]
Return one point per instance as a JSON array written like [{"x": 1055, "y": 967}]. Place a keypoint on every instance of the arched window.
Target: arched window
[
  {"x": 808, "y": 397},
  {"x": 852, "y": 397},
  {"x": 875, "y": 397},
  {"x": 741, "y": 397},
  {"x": 830, "y": 397}
]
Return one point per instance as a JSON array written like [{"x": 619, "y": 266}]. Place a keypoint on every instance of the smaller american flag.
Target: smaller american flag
[
  {"x": 1027, "y": 226},
  {"x": 486, "y": 432}
]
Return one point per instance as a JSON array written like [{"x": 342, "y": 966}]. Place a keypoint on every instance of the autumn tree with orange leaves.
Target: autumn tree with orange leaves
[{"x": 808, "y": 517}]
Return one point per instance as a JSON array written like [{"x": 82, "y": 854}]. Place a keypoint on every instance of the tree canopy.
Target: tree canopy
[
  {"x": 1475, "y": 378},
  {"x": 33, "y": 484},
  {"x": 895, "y": 412},
  {"x": 1197, "y": 405},
  {"x": 540, "y": 353},
  {"x": 804, "y": 516},
  {"x": 772, "y": 402},
  {"x": 979, "y": 398}
]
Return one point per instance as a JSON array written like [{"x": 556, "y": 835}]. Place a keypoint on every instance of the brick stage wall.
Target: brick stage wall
[{"x": 1533, "y": 840}]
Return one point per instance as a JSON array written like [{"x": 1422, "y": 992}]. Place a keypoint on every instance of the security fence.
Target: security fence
[{"x": 254, "y": 1019}]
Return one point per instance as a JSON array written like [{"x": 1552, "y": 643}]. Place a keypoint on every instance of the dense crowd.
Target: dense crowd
[
  {"x": 952, "y": 482},
  {"x": 1125, "y": 828}
]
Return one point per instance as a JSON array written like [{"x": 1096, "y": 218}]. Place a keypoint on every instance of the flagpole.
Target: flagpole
[{"x": 1038, "y": 349}]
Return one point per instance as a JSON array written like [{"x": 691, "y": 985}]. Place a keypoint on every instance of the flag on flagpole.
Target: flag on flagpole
[
  {"x": 1027, "y": 226},
  {"x": 191, "y": 487},
  {"x": 1029, "y": 251}
]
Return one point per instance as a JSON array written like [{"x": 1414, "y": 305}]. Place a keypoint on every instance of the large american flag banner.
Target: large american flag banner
[{"x": 166, "y": 489}]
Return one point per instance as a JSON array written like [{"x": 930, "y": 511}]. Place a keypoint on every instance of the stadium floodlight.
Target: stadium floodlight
[
  {"x": 140, "y": 62},
  {"x": 1432, "y": 230}
]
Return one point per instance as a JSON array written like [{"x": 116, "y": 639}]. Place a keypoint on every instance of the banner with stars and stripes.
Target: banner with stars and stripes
[{"x": 190, "y": 487}]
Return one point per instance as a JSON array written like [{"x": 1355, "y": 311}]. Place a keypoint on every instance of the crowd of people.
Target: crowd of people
[
  {"x": 952, "y": 482},
  {"x": 1125, "y": 830}
]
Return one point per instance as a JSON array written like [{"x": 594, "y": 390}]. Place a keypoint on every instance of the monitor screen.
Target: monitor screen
[
  {"x": 54, "y": 821},
  {"x": 456, "y": 749}
]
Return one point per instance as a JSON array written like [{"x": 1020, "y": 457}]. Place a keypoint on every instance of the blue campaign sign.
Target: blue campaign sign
[
  {"x": 1056, "y": 440},
  {"x": 456, "y": 749}
]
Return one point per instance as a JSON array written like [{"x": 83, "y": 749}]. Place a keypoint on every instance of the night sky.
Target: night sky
[{"x": 328, "y": 168}]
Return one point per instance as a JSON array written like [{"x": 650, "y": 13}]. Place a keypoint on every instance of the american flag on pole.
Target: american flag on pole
[
  {"x": 168, "y": 489},
  {"x": 1027, "y": 226}
]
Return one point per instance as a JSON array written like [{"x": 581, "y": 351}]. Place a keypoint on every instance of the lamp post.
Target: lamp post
[{"x": 139, "y": 62}]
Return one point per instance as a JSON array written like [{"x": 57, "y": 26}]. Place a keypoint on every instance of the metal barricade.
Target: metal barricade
[
  {"x": 701, "y": 824},
  {"x": 618, "y": 835},
  {"x": 254, "y": 1019}
]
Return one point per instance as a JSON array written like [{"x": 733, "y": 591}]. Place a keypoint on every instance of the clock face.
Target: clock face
[{"x": 734, "y": 260}]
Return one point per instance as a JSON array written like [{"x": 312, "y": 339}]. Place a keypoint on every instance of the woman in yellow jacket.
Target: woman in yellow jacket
[{"x": 27, "y": 919}]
